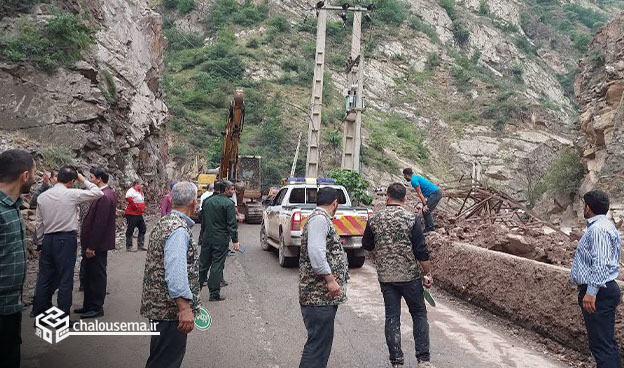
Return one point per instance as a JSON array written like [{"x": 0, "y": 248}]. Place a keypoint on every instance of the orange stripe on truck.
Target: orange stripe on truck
[{"x": 346, "y": 225}]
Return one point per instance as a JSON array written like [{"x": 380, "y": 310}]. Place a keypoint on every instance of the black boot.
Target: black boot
[{"x": 141, "y": 242}]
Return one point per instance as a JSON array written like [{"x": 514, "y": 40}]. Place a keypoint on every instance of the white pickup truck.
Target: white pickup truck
[{"x": 286, "y": 214}]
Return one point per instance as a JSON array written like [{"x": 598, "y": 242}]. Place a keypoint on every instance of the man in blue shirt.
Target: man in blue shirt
[
  {"x": 429, "y": 194},
  {"x": 594, "y": 269}
]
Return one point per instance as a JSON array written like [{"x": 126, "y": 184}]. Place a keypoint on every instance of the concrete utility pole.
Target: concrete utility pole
[
  {"x": 314, "y": 130},
  {"x": 353, "y": 125},
  {"x": 352, "y": 128}
]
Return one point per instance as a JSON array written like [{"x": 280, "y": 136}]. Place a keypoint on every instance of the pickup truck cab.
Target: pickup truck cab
[{"x": 285, "y": 216}]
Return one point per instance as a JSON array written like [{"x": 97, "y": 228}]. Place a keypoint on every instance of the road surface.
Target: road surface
[{"x": 260, "y": 325}]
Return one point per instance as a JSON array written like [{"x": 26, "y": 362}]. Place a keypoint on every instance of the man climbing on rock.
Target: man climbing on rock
[
  {"x": 429, "y": 194},
  {"x": 395, "y": 238}
]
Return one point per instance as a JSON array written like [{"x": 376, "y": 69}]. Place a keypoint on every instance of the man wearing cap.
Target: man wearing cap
[
  {"x": 323, "y": 278},
  {"x": 594, "y": 270}
]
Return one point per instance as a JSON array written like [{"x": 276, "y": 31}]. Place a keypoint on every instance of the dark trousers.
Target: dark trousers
[
  {"x": 95, "y": 281},
  {"x": 82, "y": 274},
  {"x": 168, "y": 349},
  {"x": 56, "y": 269},
  {"x": 432, "y": 203},
  {"x": 319, "y": 321},
  {"x": 412, "y": 292},
  {"x": 10, "y": 339},
  {"x": 600, "y": 325},
  {"x": 134, "y": 221},
  {"x": 212, "y": 258}
]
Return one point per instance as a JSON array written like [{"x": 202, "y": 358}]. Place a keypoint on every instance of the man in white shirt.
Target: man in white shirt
[
  {"x": 206, "y": 194},
  {"x": 57, "y": 224}
]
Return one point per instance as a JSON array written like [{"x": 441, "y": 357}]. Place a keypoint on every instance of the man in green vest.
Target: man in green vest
[
  {"x": 218, "y": 227},
  {"x": 398, "y": 248},
  {"x": 171, "y": 280},
  {"x": 323, "y": 278}
]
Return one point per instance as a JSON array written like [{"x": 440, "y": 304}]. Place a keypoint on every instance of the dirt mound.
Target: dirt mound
[{"x": 540, "y": 244}]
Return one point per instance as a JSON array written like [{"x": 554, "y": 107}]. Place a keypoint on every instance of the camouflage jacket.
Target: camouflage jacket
[
  {"x": 312, "y": 287},
  {"x": 155, "y": 302},
  {"x": 393, "y": 255}
]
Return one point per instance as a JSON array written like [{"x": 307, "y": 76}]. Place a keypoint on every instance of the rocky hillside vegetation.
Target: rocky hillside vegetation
[
  {"x": 600, "y": 87},
  {"x": 81, "y": 85},
  {"x": 448, "y": 83}
]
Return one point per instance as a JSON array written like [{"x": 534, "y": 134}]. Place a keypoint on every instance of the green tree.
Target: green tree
[{"x": 355, "y": 184}]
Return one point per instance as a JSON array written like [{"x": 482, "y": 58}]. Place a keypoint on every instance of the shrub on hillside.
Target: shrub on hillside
[
  {"x": 391, "y": 12},
  {"x": 524, "y": 45},
  {"x": 414, "y": 138},
  {"x": 449, "y": 7},
  {"x": 591, "y": 18},
  {"x": 58, "y": 43},
  {"x": 484, "y": 8},
  {"x": 460, "y": 32},
  {"x": 185, "y": 6},
  {"x": 180, "y": 40},
  {"x": 170, "y": 4},
  {"x": 580, "y": 40},
  {"x": 420, "y": 25},
  {"x": 56, "y": 156},
  {"x": 433, "y": 61},
  {"x": 224, "y": 12},
  {"x": 564, "y": 174}
]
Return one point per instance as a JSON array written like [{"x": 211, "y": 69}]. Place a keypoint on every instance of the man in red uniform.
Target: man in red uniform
[{"x": 134, "y": 215}]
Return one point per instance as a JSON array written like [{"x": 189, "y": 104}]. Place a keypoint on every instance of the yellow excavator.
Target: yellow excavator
[{"x": 244, "y": 171}]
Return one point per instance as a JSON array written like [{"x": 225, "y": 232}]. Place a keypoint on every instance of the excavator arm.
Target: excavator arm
[{"x": 231, "y": 137}]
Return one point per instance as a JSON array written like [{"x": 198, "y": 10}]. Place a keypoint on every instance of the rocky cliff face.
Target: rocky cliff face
[
  {"x": 599, "y": 88},
  {"x": 105, "y": 110}
]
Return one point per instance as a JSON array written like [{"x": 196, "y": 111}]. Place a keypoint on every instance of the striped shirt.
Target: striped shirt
[
  {"x": 597, "y": 256},
  {"x": 12, "y": 255}
]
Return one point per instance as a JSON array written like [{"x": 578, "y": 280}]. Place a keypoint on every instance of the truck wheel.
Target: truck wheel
[
  {"x": 355, "y": 262},
  {"x": 264, "y": 241},
  {"x": 284, "y": 261}
]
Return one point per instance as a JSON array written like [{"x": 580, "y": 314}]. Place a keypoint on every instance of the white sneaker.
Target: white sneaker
[{"x": 425, "y": 365}]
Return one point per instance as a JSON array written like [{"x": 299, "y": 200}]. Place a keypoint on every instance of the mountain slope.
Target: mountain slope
[{"x": 447, "y": 84}]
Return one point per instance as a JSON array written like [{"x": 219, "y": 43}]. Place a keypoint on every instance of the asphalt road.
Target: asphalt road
[{"x": 260, "y": 325}]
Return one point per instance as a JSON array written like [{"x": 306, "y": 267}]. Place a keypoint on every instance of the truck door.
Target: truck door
[{"x": 273, "y": 215}]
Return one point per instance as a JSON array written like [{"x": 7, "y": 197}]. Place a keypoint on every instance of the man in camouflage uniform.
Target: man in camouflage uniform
[
  {"x": 171, "y": 280},
  {"x": 395, "y": 238},
  {"x": 322, "y": 279}
]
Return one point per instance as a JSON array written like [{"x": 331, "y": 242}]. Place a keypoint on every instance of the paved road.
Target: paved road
[{"x": 260, "y": 325}]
